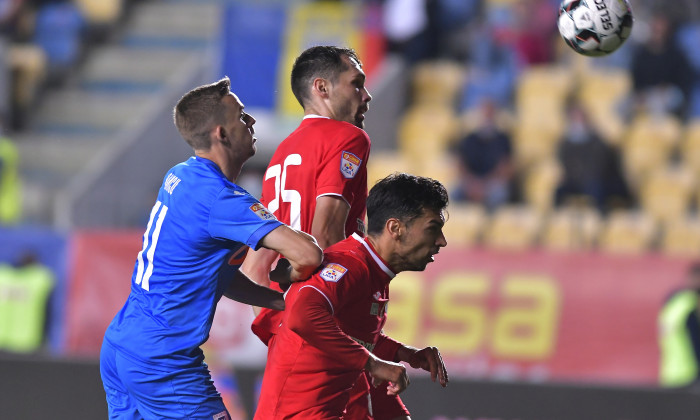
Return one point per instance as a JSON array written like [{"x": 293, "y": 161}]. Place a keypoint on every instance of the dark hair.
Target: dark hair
[
  {"x": 404, "y": 197},
  {"x": 323, "y": 61},
  {"x": 199, "y": 110}
]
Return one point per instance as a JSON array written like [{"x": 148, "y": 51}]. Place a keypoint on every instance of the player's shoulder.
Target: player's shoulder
[{"x": 341, "y": 258}]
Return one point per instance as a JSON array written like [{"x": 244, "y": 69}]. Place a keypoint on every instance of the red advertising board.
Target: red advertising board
[{"x": 584, "y": 317}]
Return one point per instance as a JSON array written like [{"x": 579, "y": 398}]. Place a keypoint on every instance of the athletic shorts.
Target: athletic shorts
[{"x": 135, "y": 391}]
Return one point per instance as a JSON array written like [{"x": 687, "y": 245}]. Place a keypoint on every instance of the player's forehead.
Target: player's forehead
[
  {"x": 354, "y": 68},
  {"x": 232, "y": 101},
  {"x": 430, "y": 217}
]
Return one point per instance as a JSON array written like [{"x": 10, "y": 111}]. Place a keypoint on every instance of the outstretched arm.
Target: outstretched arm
[
  {"x": 301, "y": 250},
  {"x": 243, "y": 289}
]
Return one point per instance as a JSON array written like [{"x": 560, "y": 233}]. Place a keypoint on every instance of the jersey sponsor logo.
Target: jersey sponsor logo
[
  {"x": 349, "y": 165},
  {"x": 365, "y": 344},
  {"x": 262, "y": 212},
  {"x": 333, "y": 272},
  {"x": 170, "y": 183}
]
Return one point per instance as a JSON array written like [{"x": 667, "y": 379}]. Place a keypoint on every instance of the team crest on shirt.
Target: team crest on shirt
[
  {"x": 333, "y": 272},
  {"x": 262, "y": 212},
  {"x": 349, "y": 165}
]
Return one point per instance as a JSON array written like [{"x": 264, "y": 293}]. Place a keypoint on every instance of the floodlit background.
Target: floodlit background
[{"x": 574, "y": 182}]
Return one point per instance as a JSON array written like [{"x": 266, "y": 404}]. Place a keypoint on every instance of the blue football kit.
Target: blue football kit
[{"x": 197, "y": 235}]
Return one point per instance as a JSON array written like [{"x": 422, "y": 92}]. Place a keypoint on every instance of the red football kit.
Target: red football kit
[
  {"x": 330, "y": 324},
  {"x": 323, "y": 157}
]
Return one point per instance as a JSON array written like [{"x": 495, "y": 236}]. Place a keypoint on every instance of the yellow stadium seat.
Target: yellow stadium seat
[
  {"x": 540, "y": 183},
  {"x": 382, "y": 163},
  {"x": 627, "y": 232},
  {"x": 649, "y": 143},
  {"x": 532, "y": 145},
  {"x": 545, "y": 80},
  {"x": 666, "y": 192},
  {"x": 101, "y": 12},
  {"x": 437, "y": 82},
  {"x": 426, "y": 131},
  {"x": 513, "y": 227},
  {"x": 601, "y": 92},
  {"x": 681, "y": 237},
  {"x": 572, "y": 228},
  {"x": 465, "y": 224}
]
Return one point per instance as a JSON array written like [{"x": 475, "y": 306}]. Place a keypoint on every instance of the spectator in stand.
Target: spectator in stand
[
  {"x": 493, "y": 66},
  {"x": 10, "y": 202},
  {"x": 24, "y": 293},
  {"x": 679, "y": 335},
  {"x": 661, "y": 73},
  {"x": 485, "y": 163},
  {"x": 591, "y": 166}
]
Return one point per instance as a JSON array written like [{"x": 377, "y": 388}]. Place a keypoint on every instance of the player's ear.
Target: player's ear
[
  {"x": 394, "y": 227},
  {"x": 321, "y": 87}
]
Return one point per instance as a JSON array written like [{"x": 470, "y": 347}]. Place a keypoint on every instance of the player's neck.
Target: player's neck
[{"x": 229, "y": 168}]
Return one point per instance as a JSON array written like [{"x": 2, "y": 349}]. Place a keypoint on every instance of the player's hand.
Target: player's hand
[
  {"x": 282, "y": 274},
  {"x": 430, "y": 359},
  {"x": 394, "y": 373}
]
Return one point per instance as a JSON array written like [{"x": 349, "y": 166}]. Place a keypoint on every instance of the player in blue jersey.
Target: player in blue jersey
[{"x": 198, "y": 233}]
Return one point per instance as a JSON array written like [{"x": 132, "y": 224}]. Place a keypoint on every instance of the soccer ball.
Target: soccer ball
[{"x": 595, "y": 27}]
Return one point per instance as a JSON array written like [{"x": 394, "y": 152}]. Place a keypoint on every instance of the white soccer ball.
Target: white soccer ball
[{"x": 595, "y": 27}]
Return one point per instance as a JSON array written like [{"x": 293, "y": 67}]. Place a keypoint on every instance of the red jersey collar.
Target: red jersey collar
[{"x": 380, "y": 262}]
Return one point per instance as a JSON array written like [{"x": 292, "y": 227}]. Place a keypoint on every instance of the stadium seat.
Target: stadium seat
[
  {"x": 572, "y": 228},
  {"x": 649, "y": 143},
  {"x": 437, "y": 82},
  {"x": 465, "y": 224},
  {"x": 601, "y": 92},
  {"x": 627, "y": 232},
  {"x": 513, "y": 227},
  {"x": 666, "y": 192},
  {"x": 382, "y": 163},
  {"x": 540, "y": 183},
  {"x": 681, "y": 237},
  {"x": 100, "y": 12},
  {"x": 533, "y": 144},
  {"x": 426, "y": 131},
  {"x": 548, "y": 80}
]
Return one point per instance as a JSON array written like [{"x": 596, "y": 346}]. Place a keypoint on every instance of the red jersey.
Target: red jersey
[
  {"x": 321, "y": 157},
  {"x": 331, "y": 323}
]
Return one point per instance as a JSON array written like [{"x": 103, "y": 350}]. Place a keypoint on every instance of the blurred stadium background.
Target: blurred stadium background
[{"x": 544, "y": 305}]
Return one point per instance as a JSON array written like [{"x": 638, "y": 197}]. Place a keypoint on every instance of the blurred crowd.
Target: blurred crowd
[{"x": 41, "y": 42}]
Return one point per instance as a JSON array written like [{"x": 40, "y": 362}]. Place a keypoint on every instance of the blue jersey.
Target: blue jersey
[{"x": 198, "y": 233}]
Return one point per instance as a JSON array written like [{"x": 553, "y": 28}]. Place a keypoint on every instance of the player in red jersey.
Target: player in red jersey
[
  {"x": 317, "y": 183},
  {"x": 334, "y": 320}
]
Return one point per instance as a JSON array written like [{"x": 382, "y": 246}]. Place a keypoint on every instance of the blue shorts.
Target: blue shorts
[{"x": 135, "y": 391}]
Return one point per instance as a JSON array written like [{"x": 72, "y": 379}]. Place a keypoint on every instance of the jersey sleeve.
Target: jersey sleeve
[
  {"x": 310, "y": 316},
  {"x": 386, "y": 348},
  {"x": 239, "y": 217},
  {"x": 343, "y": 164}
]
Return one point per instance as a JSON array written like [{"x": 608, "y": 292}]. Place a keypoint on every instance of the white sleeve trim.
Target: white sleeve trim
[
  {"x": 335, "y": 195},
  {"x": 322, "y": 294}
]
